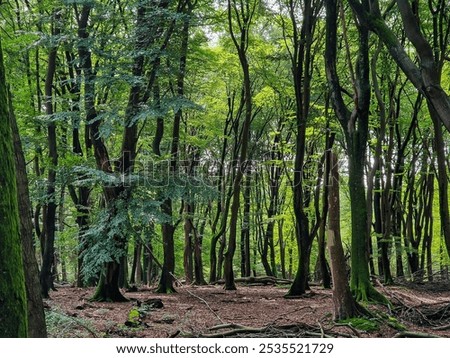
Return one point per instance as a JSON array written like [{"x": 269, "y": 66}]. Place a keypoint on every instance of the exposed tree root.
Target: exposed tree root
[
  {"x": 292, "y": 330},
  {"x": 369, "y": 294}
]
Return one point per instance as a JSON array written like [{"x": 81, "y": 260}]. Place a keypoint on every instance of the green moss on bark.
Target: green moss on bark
[
  {"x": 360, "y": 284},
  {"x": 13, "y": 303}
]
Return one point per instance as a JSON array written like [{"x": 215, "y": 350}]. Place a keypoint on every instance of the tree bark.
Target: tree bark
[
  {"x": 13, "y": 307},
  {"x": 343, "y": 301},
  {"x": 36, "y": 318}
]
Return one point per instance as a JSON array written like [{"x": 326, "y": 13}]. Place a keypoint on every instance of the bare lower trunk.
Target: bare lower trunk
[{"x": 343, "y": 301}]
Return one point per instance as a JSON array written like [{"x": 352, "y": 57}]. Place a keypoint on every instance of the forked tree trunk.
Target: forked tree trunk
[{"x": 244, "y": 15}]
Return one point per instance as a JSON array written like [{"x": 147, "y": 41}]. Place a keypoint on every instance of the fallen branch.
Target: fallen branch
[
  {"x": 410, "y": 334},
  {"x": 290, "y": 330},
  {"x": 207, "y": 305},
  {"x": 260, "y": 280},
  {"x": 441, "y": 328}
]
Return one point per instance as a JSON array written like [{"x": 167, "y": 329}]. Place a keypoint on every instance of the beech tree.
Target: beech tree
[
  {"x": 13, "y": 308},
  {"x": 243, "y": 14},
  {"x": 354, "y": 123}
]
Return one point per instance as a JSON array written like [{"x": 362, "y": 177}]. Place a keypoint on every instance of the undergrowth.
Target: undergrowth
[{"x": 60, "y": 325}]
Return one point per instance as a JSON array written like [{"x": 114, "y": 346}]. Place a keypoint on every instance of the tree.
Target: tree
[
  {"x": 243, "y": 13},
  {"x": 354, "y": 124},
  {"x": 302, "y": 56},
  {"x": 48, "y": 257},
  {"x": 13, "y": 308}
]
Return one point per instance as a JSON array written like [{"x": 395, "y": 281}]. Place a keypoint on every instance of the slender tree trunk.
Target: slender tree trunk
[
  {"x": 46, "y": 276},
  {"x": 301, "y": 60},
  {"x": 241, "y": 46},
  {"x": 322, "y": 261},
  {"x": 343, "y": 301},
  {"x": 282, "y": 244},
  {"x": 245, "y": 228},
  {"x": 188, "y": 245},
  {"x": 198, "y": 259}
]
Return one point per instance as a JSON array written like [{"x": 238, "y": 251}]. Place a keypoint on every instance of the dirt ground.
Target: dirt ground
[{"x": 251, "y": 311}]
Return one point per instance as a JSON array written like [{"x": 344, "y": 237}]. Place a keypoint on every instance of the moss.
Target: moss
[
  {"x": 367, "y": 293},
  {"x": 363, "y": 324},
  {"x": 394, "y": 323},
  {"x": 13, "y": 303},
  {"x": 379, "y": 26}
]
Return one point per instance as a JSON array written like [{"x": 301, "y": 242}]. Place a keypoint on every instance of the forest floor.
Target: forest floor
[{"x": 251, "y": 311}]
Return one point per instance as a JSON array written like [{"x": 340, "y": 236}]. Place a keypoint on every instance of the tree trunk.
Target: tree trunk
[
  {"x": 36, "y": 318},
  {"x": 321, "y": 258},
  {"x": 343, "y": 301},
  {"x": 46, "y": 276},
  {"x": 168, "y": 268},
  {"x": 241, "y": 46},
  {"x": 198, "y": 259},
  {"x": 13, "y": 306},
  {"x": 301, "y": 58},
  {"x": 425, "y": 76},
  {"x": 282, "y": 244},
  {"x": 245, "y": 228},
  {"x": 108, "y": 286},
  {"x": 188, "y": 245}
]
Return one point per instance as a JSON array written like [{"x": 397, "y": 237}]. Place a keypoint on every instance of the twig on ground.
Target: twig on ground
[{"x": 441, "y": 328}]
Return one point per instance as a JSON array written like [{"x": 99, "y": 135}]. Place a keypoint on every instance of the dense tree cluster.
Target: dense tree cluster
[{"x": 195, "y": 140}]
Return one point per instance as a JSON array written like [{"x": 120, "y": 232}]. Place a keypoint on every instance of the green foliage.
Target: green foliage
[
  {"x": 212, "y": 112},
  {"x": 60, "y": 325}
]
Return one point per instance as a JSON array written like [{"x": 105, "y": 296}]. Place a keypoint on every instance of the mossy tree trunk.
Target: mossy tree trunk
[
  {"x": 108, "y": 286},
  {"x": 36, "y": 317},
  {"x": 13, "y": 300}
]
